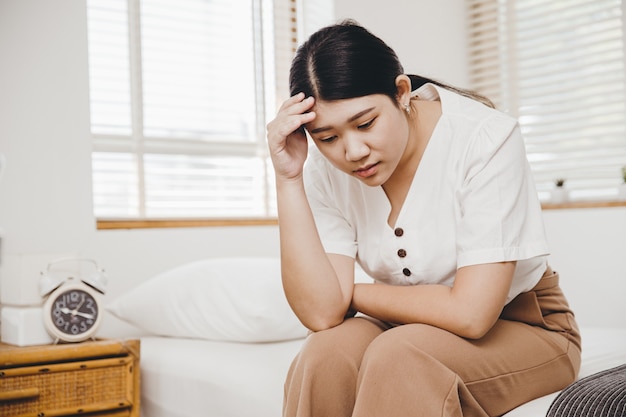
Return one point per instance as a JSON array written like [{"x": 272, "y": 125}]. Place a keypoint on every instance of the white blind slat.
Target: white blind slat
[
  {"x": 109, "y": 67},
  {"x": 559, "y": 68},
  {"x": 180, "y": 94}
]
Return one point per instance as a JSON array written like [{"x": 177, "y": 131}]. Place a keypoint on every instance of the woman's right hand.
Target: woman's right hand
[{"x": 286, "y": 138}]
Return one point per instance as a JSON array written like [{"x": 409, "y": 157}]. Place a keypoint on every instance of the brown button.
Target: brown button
[
  {"x": 398, "y": 232},
  {"x": 407, "y": 272},
  {"x": 401, "y": 253}
]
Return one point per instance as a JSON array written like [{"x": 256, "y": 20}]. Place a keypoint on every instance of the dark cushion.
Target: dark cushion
[{"x": 599, "y": 395}]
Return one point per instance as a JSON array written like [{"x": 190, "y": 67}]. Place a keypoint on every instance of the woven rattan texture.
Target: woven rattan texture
[{"x": 69, "y": 389}]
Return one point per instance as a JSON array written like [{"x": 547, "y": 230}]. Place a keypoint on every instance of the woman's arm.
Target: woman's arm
[
  {"x": 469, "y": 308},
  {"x": 318, "y": 286}
]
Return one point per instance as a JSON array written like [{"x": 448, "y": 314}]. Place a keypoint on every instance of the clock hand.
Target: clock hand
[
  {"x": 66, "y": 310},
  {"x": 74, "y": 312},
  {"x": 85, "y": 315},
  {"x": 78, "y": 306}
]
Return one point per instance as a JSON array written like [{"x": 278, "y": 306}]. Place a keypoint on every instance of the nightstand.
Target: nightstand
[{"x": 93, "y": 378}]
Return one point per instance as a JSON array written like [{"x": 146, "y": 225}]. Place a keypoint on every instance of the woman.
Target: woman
[{"x": 429, "y": 190}]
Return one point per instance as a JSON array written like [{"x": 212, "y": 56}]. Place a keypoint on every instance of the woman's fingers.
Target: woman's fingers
[
  {"x": 292, "y": 100},
  {"x": 286, "y": 138},
  {"x": 293, "y": 123},
  {"x": 297, "y": 104},
  {"x": 292, "y": 115}
]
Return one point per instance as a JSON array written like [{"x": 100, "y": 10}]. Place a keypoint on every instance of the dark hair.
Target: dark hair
[{"x": 345, "y": 60}]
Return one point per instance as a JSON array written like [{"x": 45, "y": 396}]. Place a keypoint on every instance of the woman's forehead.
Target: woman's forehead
[{"x": 336, "y": 112}]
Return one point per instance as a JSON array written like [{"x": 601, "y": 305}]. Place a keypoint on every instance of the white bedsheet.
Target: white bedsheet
[{"x": 196, "y": 378}]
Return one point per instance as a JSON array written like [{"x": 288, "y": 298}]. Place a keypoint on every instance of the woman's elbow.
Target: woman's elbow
[
  {"x": 321, "y": 323},
  {"x": 473, "y": 332},
  {"x": 318, "y": 322},
  {"x": 475, "y": 327},
  {"x": 325, "y": 316}
]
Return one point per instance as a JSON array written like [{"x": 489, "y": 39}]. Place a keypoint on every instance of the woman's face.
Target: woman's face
[{"x": 365, "y": 137}]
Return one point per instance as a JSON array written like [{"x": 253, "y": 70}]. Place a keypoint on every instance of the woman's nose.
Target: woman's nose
[{"x": 355, "y": 148}]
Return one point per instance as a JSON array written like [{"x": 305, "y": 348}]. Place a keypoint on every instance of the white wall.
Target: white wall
[
  {"x": 589, "y": 252},
  {"x": 45, "y": 204}
]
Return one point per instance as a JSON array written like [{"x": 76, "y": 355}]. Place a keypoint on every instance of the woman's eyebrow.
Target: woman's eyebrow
[{"x": 353, "y": 118}]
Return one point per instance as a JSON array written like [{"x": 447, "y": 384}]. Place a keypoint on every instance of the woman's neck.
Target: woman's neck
[{"x": 421, "y": 126}]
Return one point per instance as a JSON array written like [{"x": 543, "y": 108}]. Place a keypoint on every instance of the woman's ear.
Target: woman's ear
[{"x": 403, "y": 87}]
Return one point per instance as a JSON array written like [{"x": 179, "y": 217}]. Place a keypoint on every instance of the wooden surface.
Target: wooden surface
[
  {"x": 103, "y": 224},
  {"x": 93, "y": 378}
]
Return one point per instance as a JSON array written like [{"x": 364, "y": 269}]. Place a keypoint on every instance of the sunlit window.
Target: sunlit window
[
  {"x": 181, "y": 92},
  {"x": 558, "y": 66}
]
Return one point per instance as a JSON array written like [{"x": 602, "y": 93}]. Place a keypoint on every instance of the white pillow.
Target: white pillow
[{"x": 223, "y": 299}]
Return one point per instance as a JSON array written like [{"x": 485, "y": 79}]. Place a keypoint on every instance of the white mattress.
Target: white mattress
[{"x": 189, "y": 378}]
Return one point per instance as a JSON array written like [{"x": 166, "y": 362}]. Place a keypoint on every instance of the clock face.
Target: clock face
[{"x": 73, "y": 313}]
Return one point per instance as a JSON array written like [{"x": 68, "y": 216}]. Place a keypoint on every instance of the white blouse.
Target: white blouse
[{"x": 472, "y": 201}]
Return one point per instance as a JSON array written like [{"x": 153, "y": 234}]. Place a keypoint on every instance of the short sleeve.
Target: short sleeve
[
  {"x": 336, "y": 233},
  {"x": 498, "y": 214}
]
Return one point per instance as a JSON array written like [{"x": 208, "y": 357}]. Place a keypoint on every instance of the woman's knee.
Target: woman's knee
[
  {"x": 343, "y": 345},
  {"x": 421, "y": 342},
  {"x": 394, "y": 362},
  {"x": 386, "y": 350}
]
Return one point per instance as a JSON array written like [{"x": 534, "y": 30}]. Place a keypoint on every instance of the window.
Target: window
[
  {"x": 558, "y": 66},
  {"x": 181, "y": 92}
]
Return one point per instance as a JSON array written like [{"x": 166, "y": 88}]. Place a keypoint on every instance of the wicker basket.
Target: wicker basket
[{"x": 91, "y": 378}]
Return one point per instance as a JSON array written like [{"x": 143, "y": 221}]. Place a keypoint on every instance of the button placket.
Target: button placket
[{"x": 399, "y": 232}]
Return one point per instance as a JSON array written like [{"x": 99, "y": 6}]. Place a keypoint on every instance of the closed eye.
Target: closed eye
[
  {"x": 328, "y": 140},
  {"x": 367, "y": 124}
]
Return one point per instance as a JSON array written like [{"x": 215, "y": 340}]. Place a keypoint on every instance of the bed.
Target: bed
[
  {"x": 186, "y": 377},
  {"x": 227, "y": 352}
]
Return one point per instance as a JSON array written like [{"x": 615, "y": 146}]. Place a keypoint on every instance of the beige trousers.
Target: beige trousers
[{"x": 363, "y": 368}]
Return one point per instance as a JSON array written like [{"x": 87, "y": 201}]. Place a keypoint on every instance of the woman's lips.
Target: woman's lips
[{"x": 367, "y": 171}]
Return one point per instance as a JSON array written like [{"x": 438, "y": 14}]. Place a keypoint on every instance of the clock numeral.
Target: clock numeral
[{"x": 74, "y": 312}]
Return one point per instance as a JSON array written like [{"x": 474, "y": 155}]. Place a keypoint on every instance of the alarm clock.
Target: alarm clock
[{"x": 72, "y": 306}]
